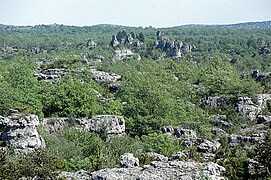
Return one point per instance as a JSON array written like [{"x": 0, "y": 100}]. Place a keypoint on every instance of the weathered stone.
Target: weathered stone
[
  {"x": 79, "y": 175},
  {"x": 91, "y": 44},
  {"x": 167, "y": 130},
  {"x": 128, "y": 40},
  {"x": 107, "y": 124},
  {"x": 159, "y": 170},
  {"x": 182, "y": 133},
  {"x": 156, "y": 156},
  {"x": 246, "y": 107},
  {"x": 264, "y": 50},
  {"x": 263, "y": 119},
  {"x": 215, "y": 102},
  {"x": 104, "y": 77},
  {"x": 205, "y": 146},
  {"x": 128, "y": 160},
  {"x": 219, "y": 132},
  {"x": 114, "y": 42},
  {"x": 20, "y": 131},
  {"x": 122, "y": 54},
  {"x": 220, "y": 120},
  {"x": 51, "y": 125}
]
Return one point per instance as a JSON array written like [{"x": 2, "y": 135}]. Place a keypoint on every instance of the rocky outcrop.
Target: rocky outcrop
[
  {"x": 264, "y": 50},
  {"x": 120, "y": 55},
  {"x": 107, "y": 124},
  {"x": 20, "y": 132},
  {"x": 128, "y": 160},
  {"x": 250, "y": 107},
  {"x": 49, "y": 75},
  {"x": 214, "y": 102},
  {"x": 160, "y": 170},
  {"x": 104, "y": 77},
  {"x": 173, "y": 49},
  {"x": 207, "y": 146},
  {"x": 128, "y": 40},
  {"x": 79, "y": 175},
  {"x": 91, "y": 44},
  {"x": 114, "y": 42},
  {"x": 220, "y": 121}
]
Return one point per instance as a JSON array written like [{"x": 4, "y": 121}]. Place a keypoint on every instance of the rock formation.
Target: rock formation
[
  {"x": 161, "y": 170},
  {"x": 91, "y": 44},
  {"x": 173, "y": 49},
  {"x": 20, "y": 132},
  {"x": 107, "y": 124},
  {"x": 114, "y": 42}
]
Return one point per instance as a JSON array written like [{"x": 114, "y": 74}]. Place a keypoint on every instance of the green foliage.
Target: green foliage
[
  {"x": 69, "y": 97},
  {"x": 39, "y": 164},
  {"x": 19, "y": 89},
  {"x": 161, "y": 144}
]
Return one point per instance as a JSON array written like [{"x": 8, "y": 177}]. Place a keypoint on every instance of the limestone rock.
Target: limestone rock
[
  {"x": 156, "y": 156},
  {"x": 91, "y": 44},
  {"x": 264, "y": 50},
  {"x": 114, "y": 42},
  {"x": 104, "y": 77},
  {"x": 107, "y": 124},
  {"x": 128, "y": 160},
  {"x": 207, "y": 146},
  {"x": 51, "y": 125},
  {"x": 122, "y": 54},
  {"x": 79, "y": 175},
  {"x": 128, "y": 40},
  {"x": 167, "y": 130},
  {"x": 220, "y": 120},
  {"x": 215, "y": 101},
  {"x": 159, "y": 170},
  {"x": 180, "y": 132},
  {"x": 250, "y": 107},
  {"x": 20, "y": 131}
]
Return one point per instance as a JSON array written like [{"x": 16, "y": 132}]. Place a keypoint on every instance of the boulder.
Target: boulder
[
  {"x": 182, "y": 133},
  {"x": 167, "y": 130},
  {"x": 159, "y": 170},
  {"x": 91, "y": 44},
  {"x": 264, "y": 50},
  {"x": 250, "y": 107},
  {"x": 215, "y": 101},
  {"x": 156, "y": 156},
  {"x": 128, "y": 40},
  {"x": 104, "y": 77},
  {"x": 263, "y": 119},
  {"x": 114, "y": 42},
  {"x": 20, "y": 132},
  {"x": 51, "y": 125},
  {"x": 220, "y": 120},
  {"x": 79, "y": 175},
  {"x": 207, "y": 146},
  {"x": 128, "y": 160},
  {"x": 107, "y": 124},
  {"x": 120, "y": 55}
]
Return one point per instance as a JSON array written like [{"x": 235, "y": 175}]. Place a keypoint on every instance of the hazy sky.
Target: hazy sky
[{"x": 157, "y": 13}]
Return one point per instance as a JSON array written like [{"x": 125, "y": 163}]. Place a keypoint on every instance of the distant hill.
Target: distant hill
[
  {"x": 247, "y": 25},
  {"x": 5, "y": 26}
]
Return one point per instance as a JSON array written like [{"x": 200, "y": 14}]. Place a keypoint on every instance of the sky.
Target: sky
[{"x": 156, "y": 13}]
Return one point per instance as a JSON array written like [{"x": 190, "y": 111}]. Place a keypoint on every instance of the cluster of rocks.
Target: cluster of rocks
[
  {"x": 156, "y": 170},
  {"x": 102, "y": 124},
  {"x": 91, "y": 44},
  {"x": 91, "y": 58},
  {"x": 264, "y": 50},
  {"x": 20, "y": 132},
  {"x": 127, "y": 41},
  {"x": 104, "y": 77},
  {"x": 122, "y": 54},
  {"x": 173, "y": 49},
  {"x": 249, "y": 107},
  {"x": 7, "y": 50},
  {"x": 49, "y": 75}
]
